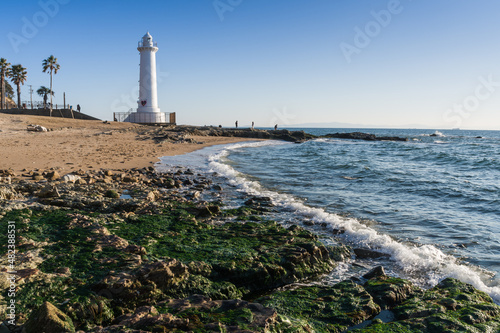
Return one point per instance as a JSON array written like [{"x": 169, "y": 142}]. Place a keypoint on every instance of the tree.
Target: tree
[
  {"x": 9, "y": 92},
  {"x": 44, "y": 92},
  {"x": 50, "y": 64},
  {"x": 4, "y": 66},
  {"x": 18, "y": 76}
]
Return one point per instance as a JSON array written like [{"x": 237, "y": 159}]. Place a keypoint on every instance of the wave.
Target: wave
[{"x": 425, "y": 265}]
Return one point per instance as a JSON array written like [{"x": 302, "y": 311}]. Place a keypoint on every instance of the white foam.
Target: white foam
[
  {"x": 439, "y": 134},
  {"x": 425, "y": 265}
]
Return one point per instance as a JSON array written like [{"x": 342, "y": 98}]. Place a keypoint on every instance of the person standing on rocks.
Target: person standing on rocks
[
  {"x": 276, "y": 127},
  {"x": 253, "y": 124},
  {"x": 78, "y": 108},
  {"x": 236, "y": 123}
]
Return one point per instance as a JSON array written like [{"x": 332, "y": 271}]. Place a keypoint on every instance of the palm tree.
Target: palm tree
[
  {"x": 44, "y": 92},
  {"x": 18, "y": 76},
  {"x": 50, "y": 64},
  {"x": 4, "y": 65}
]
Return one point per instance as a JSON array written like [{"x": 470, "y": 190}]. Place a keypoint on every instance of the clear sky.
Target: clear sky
[{"x": 433, "y": 63}]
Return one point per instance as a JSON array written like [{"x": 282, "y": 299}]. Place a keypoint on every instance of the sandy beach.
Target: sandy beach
[{"x": 72, "y": 144}]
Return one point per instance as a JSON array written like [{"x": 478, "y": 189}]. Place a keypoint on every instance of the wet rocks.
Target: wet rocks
[
  {"x": 325, "y": 309},
  {"x": 153, "y": 260},
  {"x": 364, "y": 136},
  {"x": 389, "y": 291},
  {"x": 369, "y": 254}
]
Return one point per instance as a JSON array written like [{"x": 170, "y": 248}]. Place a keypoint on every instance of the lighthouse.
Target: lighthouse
[
  {"x": 147, "y": 111},
  {"x": 148, "y": 96}
]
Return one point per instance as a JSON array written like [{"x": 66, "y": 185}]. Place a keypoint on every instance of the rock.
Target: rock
[
  {"x": 388, "y": 291},
  {"x": 8, "y": 193},
  {"x": 375, "y": 272},
  {"x": 223, "y": 316},
  {"x": 108, "y": 173},
  {"x": 129, "y": 179},
  {"x": 258, "y": 202},
  {"x": 36, "y": 128},
  {"x": 53, "y": 175},
  {"x": 81, "y": 181},
  {"x": 364, "y": 136},
  {"x": 204, "y": 210},
  {"x": 146, "y": 317},
  {"x": 49, "y": 191},
  {"x": 112, "y": 194},
  {"x": 153, "y": 195},
  {"x": 37, "y": 177},
  {"x": 70, "y": 178},
  {"x": 135, "y": 249},
  {"x": 369, "y": 254},
  {"x": 25, "y": 274},
  {"x": 64, "y": 270},
  {"x": 48, "y": 319},
  {"x": 164, "y": 273},
  {"x": 326, "y": 309},
  {"x": 451, "y": 306}
]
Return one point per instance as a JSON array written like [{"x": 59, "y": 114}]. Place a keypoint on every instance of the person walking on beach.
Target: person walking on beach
[
  {"x": 236, "y": 123},
  {"x": 78, "y": 108}
]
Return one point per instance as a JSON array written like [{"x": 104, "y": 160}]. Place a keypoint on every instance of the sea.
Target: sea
[{"x": 430, "y": 205}]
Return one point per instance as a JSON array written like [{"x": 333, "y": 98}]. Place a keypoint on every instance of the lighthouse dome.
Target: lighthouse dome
[{"x": 147, "y": 40}]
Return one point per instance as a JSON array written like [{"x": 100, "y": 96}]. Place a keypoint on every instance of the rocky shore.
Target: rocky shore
[
  {"x": 178, "y": 133},
  {"x": 132, "y": 250}
]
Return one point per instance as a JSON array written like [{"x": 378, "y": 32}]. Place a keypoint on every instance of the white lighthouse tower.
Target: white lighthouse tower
[
  {"x": 148, "y": 111},
  {"x": 148, "y": 96}
]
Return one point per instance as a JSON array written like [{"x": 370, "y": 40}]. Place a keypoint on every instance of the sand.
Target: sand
[{"x": 85, "y": 144}]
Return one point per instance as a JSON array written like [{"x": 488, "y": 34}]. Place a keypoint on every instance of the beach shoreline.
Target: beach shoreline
[{"x": 71, "y": 144}]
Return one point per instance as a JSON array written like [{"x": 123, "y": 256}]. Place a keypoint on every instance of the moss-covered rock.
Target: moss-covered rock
[
  {"x": 48, "y": 319},
  {"x": 324, "y": 309},
  {"x": 390, "y": 291},
  {"x": 451, "y": 306}
]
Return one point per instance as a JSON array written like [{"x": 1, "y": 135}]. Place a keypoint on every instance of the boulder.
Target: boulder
[
  {"x": 48, "y": 319},
  {"x": 53, "y": 175},
  {"x": 164, "y": 273},
  {"x": 49, "y": 191},
  {"x": 70, "y": 178}
]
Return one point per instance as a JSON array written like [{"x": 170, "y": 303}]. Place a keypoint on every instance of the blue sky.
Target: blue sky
[{"x": 378, "y": 63}]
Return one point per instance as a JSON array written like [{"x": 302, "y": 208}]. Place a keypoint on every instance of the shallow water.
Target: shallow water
[{"x": 431, "y": 203}]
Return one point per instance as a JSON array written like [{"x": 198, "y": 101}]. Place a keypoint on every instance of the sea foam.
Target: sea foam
[{"x": 425, "y": 265}]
